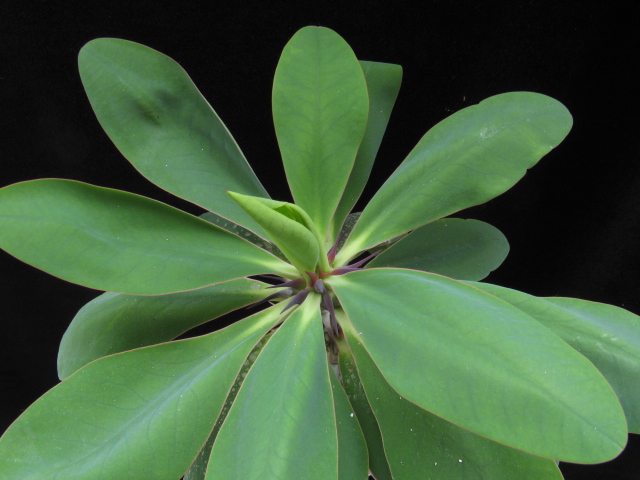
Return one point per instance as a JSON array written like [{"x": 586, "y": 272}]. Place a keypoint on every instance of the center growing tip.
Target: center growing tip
[{"x": 299, "y": 289}]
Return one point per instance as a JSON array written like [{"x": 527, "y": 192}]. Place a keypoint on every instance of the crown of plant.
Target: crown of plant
[{"x": 376, "y": 347}]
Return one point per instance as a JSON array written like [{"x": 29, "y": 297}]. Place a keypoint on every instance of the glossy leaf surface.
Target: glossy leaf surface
[
  {"x": 383, "y": 85},
  {"x": 141, "y": 414},
  {"x": 357, "y": 397},
  {"x": 286, "y": 226},
  {"x": 353, "y": 459},
  {"x": 121, "y": 242},
  {"x": 458, "y": 352},
  {"x": 114, "y": 323},
  {"x": 607, "y": 335},
  {"x": 282, "y": 424},
  {"x": 161, "y": 123},
  {"x": 320, "y": 109},
  {"x": 453, "y": 247},
  {"x": 422, "y": 445},
  {"x": 467, "y": 159}
]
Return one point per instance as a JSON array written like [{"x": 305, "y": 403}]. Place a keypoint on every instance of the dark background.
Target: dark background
[{"x": 572, "y": 222}]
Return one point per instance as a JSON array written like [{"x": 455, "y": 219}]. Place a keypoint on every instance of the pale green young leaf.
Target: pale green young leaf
[
  {"x": 117, "y": 241},
  {"x": 320, "y": 109},
  {"x": 608, "y": 336},
  {"x": 467, "y": 159},
  {"x": 162, "y": 124},
  {"x": 288, "y": 226},
  {"x": 453, "y": 247},
  {"x": 282, "y": 423},
  {"x": 114, "y": 322},
  {"x": 383, "y": 85},
  {"x": 458, "y": 352},
  {"x": 142, "y": 414},
  {"x": 422, "y": 445}
]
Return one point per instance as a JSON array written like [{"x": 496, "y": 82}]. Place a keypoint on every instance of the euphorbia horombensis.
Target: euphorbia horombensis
[{"x": 376, "y": 349}]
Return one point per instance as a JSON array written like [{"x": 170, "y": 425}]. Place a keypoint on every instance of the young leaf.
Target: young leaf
[
  {"x": 353, "y": 460},
  {"x": 383, "y": 85},
  {"x": 162, "y": 124},
  {"x": 288, "y": 226},
  {"x": 320, "y": 109},
  {"x": 453, "y": 247},
  {"x": 608, "y": 336},
  {"x": 139, "y": 414},
  {"x": 282, "y": 424},
  {"x": 114, "y": 323},
  {"x": 467, "y": 159},
  {"x": 458, "y": 353},
  {"x": 378, "y": 464},
  {"x": 117, "y": 241},
  {"x": 422, "y": 445}
]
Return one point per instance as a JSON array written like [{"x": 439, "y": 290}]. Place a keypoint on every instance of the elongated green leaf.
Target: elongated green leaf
[
  {"x": 357, "y": 397},
  {"x": 141, "y": 414},
  {"x": 282, "y": 423},
  {"x": 422, "y": 445},
  {"x": 114, "y": 323},
  {"x": 117, "y": 241},
  {"x": 383, "y": 85},
  {"x": 464, "y": 355},
  {"x": 467, "y": 159},
  {"x": 320, "y": 108},
  {"x": 287, "y": 226},
  {"x": 608, "y": 336},
  {"x": 161, "y": 123},
  {"x": 353, "y": 460},
  {"x": 198, "y": 469},
  {"x": 463, "y": 249}
]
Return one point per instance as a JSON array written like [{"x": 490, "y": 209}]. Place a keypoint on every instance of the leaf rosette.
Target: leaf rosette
[{"x": 378, "y": 350}]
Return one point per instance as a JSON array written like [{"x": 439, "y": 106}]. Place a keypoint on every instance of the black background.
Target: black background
[{"x": 572, "y": 222}]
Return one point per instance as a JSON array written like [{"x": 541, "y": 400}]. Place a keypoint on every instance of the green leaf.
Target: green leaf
[
  {"x": 457, "y": 248},
  {"x": 464, "y": 355},
  {"x": 161, "y": 123},
  {"x": 282, "y": 423},
  {"x": 353, "y": 460},
  {"x": 383, "y": 85},
  {"x": 198, "y": 469},
  {"x": 608, "y": 336},
  {"x": 288, "y": 226},
  {"x": 117, "y": 241},
  {"x": 358, "y": 399},
  {"x": 114, "y": 323},
  {"x": 422, "y": 445},
  {"x": 142, "y": 414},
  {"x": 320, "y": 109},
  {"x": 467, "y": 159}
]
